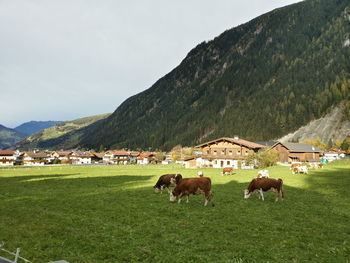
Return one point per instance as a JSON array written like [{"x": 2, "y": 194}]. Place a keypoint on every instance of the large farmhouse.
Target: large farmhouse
[
  {"x": 224, "y": 152},
  {"x": 297, "y": 152}
]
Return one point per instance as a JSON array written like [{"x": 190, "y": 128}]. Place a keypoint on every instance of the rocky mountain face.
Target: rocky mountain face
[{"x": 332, "y": 127}]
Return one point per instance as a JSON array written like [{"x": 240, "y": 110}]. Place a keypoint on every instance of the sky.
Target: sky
[{"x": 67, "y": 59}]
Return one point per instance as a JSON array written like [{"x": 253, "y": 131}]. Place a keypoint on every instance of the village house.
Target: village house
[
  {"x": 79, "y": 157},
  {"x": 97, "y": 157},
  {"x": 146, "y": 158},
  {"x": 117, "y": 157},
  {"x": 133, "y": 157},
  {"x": 333, "y": 154},
  {"x": 35, "y": 158},
  {"x": 62, "y": 157},
  {"x": 297, "y": 152},
  {"x": 7, "y": 158},
  {"x": 223, "y": 152}
]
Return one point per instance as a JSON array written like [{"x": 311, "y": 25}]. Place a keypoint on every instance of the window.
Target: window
[
  {"x": 222, "y": 151},
  {"x": 215, "y": 152},
  {"x": 228, "y": 163},
  {"x": 230, "y": 152}
]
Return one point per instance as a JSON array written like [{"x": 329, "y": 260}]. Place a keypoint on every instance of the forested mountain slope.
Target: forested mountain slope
[
  {"x": 260, "y": 80},
  {"x": 63, "y": 135},
  {"x": 31, "y": 127},
  {"x": 9, "y": 137}
]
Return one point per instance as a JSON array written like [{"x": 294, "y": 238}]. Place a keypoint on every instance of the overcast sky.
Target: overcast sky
[{"x": 66, "y": 59}]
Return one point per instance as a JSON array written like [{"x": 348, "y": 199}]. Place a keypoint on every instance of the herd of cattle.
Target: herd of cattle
[{"x": 183, "y": 187}]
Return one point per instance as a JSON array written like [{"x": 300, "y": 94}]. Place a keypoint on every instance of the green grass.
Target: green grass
[{"x": 111, "y": 214}]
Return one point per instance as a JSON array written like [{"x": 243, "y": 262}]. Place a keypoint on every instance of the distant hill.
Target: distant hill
[
  {"x": 9, "y": 137},
  {"x": 260, "y": 81},
  {"x": 56, "y": 137},
  {"x": 31, "y": 127}
]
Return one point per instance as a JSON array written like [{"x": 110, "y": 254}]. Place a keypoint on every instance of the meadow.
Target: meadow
[{"x": 111, "y": 214}]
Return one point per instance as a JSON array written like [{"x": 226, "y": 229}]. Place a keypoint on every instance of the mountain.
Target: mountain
[
  {"x": 260, "y": 81},
  {"x": 31, "y": 127},
  {"x": 9, "y": 137},
  {"x": 65, "y": 134}
]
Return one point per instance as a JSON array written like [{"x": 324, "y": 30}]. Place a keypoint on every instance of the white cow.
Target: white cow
[{"x": 263, "y": 174}]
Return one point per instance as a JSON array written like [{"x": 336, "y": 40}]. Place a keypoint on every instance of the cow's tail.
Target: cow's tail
[
  {"x": 211, "y": 198},
  {"x": 281, "y": 187}
]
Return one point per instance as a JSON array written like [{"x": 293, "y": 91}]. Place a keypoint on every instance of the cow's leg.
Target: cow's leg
[
  {"x": 261, "y": 194},
  {"x": 179, "y": 197},
  {"x": 187, "y": 199},
  {"x": 277, "y": 194}
]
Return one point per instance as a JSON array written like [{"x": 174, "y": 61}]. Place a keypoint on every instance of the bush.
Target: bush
[{"x": 263, "y": 158}]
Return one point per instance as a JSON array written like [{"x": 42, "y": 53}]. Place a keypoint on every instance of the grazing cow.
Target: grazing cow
[
  {"x": 165, "y": 181},
  {"x": 187, "y": 186},
  {"x": 200, "y": 174},
  {"x": 300, "y": 170},
  {"x": 227, "y": 170},
  {"x": 263, "y": 174},
  {"x": 293, "y": 165},
  {"x": 263, "y": 185}
]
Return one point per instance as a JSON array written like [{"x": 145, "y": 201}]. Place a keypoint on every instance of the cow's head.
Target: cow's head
[
  {"x": 157, "y": 189},
  {"x": 247, "y": 194},
  {"x": 172, "y": 197}
]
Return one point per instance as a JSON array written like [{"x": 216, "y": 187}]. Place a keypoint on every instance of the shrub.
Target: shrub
[{"x": 263, "y": 158}]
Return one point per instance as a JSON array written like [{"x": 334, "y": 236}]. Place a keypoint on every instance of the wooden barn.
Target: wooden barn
[{"x": 297, "y": 152}]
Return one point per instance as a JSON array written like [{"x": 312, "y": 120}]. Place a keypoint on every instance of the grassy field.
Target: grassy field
[{"x": 111, "y": 214}]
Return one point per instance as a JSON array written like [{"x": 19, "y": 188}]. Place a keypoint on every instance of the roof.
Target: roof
[
  {"x": 268, "y": 143},
  {"x": 6, "y": 152},
  {"x": 300, "y": 147},
  {"x": 145, "y": 155},
  {"x": 238, "y": 141},
  {"x": 98, "y": 155},
  {"x": 81, "y": 154},
  {"x": 62, "y": 153},
  {"x": 36, "y": 154},
  {"x": 118, "y": 152}
]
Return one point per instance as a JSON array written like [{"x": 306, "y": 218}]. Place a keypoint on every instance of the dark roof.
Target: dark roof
[
  {"x": 267, "y": 143},
  {"x": 248, "y": 144},
  {"x": 6, "y": 152},
  {"x": 300, "y": 147},
  {"x": 36, "y": 154}
]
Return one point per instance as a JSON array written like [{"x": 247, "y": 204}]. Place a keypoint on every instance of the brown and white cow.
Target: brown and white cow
[
  {"x": 263, "y": 185},
  {"x": 226, "y": 170},
  {"x": 300, "y": 170},
  {"x": 294, "y": 165},
  {"x": 165, "y": 181},
  {"x": 195, "y": 186}
]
